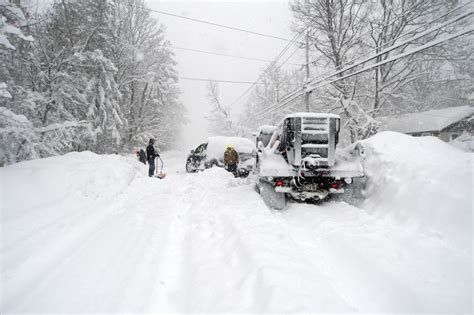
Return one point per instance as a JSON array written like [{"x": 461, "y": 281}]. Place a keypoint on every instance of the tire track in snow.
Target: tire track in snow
[
  {"x": 224, "y": 240},
  {"x": 37, "y": 269},
  {"x": 216, "y": 247},
  {"x": 111, "y": 274},
  {"x": 138, "y": 293},
  {"x": 170, "y": 293},
  {"x": 44, "y": 263}
]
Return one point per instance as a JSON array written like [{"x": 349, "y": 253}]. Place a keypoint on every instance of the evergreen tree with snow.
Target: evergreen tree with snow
[{"x": 99, "y": 76}]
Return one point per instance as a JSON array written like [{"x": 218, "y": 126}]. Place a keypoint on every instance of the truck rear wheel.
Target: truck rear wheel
[{"x": 273, "y": 199}]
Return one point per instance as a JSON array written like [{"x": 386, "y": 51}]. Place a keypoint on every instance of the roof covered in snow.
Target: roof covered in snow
[
  {"x": 432, "y": 120},
  {"x": 217, "y": 145},
  {"x": 266, "y": 129}
]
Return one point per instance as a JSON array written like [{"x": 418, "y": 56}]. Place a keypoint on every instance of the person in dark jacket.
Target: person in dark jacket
[
  {"x": 231, "y": 159},
  {"x": 151, "y": 154}
]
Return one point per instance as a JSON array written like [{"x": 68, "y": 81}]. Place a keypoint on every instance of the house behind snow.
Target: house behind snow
[{"x": 446, "y": 124}]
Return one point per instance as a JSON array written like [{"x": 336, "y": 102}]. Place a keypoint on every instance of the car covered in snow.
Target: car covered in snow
[
  {"x": 211, "y": 153},
  {"x": 264, "y": 134}
]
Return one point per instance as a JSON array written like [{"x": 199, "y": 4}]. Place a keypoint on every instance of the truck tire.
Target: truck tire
[{"x": 272, "y": 199}]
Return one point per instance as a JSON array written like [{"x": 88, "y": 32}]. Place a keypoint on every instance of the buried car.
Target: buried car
[{"x": 211, "y": 153}]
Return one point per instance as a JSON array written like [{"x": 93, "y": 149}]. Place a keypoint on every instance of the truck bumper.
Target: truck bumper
[{"x": 304, "y": 195}]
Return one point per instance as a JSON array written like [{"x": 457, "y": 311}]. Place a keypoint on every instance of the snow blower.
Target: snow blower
[{"x": 160, "y": 175}]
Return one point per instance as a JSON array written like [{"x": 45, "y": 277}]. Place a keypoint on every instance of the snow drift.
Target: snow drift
[
  {"x": 421, "y": 182},
  {"x": 92, "y": 233}
]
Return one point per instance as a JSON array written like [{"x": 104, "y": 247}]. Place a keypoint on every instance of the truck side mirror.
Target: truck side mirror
[{"x": 260, "y": 145}]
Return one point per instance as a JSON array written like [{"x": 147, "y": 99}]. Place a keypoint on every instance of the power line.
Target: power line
[
  {"x": 226, "y": 55},
  {"x": 410, "y": 52},
  {"x": 277, "y": 58},
  {"x": 206, "y": 52},
  {"x": 296, "y": 72},
  {"x": 393, "y": 40},
  {"x": 393, "y": 47},
  {"x": 260, "y": 76},
  {"x": 321, "y": 79},
  {"x": 384, "y": 45},
  {"x": 402, "y": 55},
  {"x": 207, "y": 22},
  {"x": 232, "y": 28},
  {"x": 282, "y": 52}
]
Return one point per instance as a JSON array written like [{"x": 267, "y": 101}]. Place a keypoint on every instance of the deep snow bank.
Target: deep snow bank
[
  {"x": 78, "y": 174},
  {"x": 90, "y": 233},
  {"x": 202, "y": 242},
  {"x": 421, "y": 182},
  {"x": 72, "y": 182}
]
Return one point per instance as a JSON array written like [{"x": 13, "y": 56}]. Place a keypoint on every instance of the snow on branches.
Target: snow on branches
[
  {"x": 11, "y": 17},
  {"x": 99, "y": 76}
]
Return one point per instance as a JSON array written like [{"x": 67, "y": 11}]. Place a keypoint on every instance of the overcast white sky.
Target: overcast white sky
[{"x": 268, "y": 17}]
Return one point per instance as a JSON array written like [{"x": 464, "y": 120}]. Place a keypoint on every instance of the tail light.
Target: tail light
[
  {"x": 279, "y": 183},
  {"x": 335, "y": 185}
]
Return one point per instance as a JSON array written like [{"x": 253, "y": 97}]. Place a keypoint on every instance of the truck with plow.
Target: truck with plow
[{"x": 300, "y": 160}]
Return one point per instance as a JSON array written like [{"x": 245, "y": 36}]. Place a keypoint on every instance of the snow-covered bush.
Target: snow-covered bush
[{"x": 17, "y": 138}]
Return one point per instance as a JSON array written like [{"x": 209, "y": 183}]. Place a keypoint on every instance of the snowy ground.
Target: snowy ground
[{"x": 90, "y": 233}]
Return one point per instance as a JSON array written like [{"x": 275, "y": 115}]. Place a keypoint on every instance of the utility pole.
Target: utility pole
[{"x": 306, "y": 97}]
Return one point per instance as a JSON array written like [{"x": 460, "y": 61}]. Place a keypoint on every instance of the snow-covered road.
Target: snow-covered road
[{"x": 89, "y": 233}]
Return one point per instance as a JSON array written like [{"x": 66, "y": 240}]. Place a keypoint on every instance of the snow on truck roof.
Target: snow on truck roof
[
  {"x": 432, "y": 120},
  {"x": 318, "y": 115}
]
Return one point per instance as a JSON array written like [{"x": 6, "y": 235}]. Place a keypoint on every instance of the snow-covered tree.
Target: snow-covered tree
[
  {"x": 274, "y": 83},
  {"x": 343, "y": 33},
  {"x": 99, "y": 76},
  {"x": 18, "y": 140},
  {"x": 12, "y": 17},
  {"x": 334, "y": 29},
  {"x": 146, "y": 75},
  {"x": 220, "y": 121},
  {"x": 88, "y": 91}
]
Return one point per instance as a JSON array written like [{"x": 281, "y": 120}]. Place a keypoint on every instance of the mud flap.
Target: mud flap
[{"x": 273, "y": 199}]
